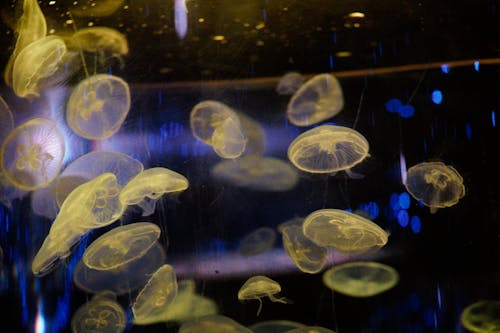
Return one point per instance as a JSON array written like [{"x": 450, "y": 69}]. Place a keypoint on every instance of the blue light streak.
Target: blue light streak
[
  {"x": 437, "y": 97},
  {"x": 476, "y": 66},
  {"x": 493, "y": 119},
  {"x": 468, "y": 131}
]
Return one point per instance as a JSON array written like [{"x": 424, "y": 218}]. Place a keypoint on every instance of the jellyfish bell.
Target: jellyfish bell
[
  {"x": 318, "y": 99},
  {"x": 481, "y": 316},
  {"x": 257, "y": 241},
  {"x": 259, "y": 286},
  {"x": 267, "y": 326},
  {"x": 213, "y": 323},
  {"x": 290, "y": 83},
  {"x": 228, "y": 139}
]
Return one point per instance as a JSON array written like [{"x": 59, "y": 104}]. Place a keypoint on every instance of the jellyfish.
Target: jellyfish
[
  {"x": 277, "y": 326},
  {"x": 180, "y": 18},
  {"x": 101, "y": 314},
  {"x": 158, "y": 293},
  {"x": 328, "y": 149},
  {"x": 32, "y": 154},
  {"x": 318, "y": 99},
  {"x": 44, "y": 63},
  {"x": 289, "y": 83},
  {"x": 435, "y": 184},
  {"x": 43, "y": 201},
  {"x": 307, "y": 256},
  {"x": 6, "y": 120},
  {"x": 343, "y": 231},
  {"x": 213, "y": 324},
  {"x": 146, "y": 188},
  {"x": 121, "y": 245},
  {"x": 482, "y": 316},
  {"x": 361, "y": 279},
  {"x": 310, "y": 329},
  {"x": 257, "y": 241},
  {"x": 257, "y": 172},
  {"x": 98, "y": 106},
  {"x": 260, "y": 286},
  {"x": 228, "y": 139}
]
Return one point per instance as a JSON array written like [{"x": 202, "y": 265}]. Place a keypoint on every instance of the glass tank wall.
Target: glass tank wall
[{"x": 249, "y": 166}]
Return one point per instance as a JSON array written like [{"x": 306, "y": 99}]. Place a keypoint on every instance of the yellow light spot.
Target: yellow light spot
[
  {"x": 343, "y": 54},
  {"x": 260, "y": 25},
  {"x": 218, "y": 38},
  {"x": 260, "y": 43},
  {"x": 356, "y": 25},
  {"x": 52, "y": 3},
  {"x": 51, "y": 31},
  {"x": 90, "y": 24},
  {"x": 69, "y": 21},
  {"x": 356, "y": 15},
  {"x": 201, "y": 20},
  {"x": 246, "y": 24},
  {"x": 125, "y": 7},
  {"x": 75, "y": 3}
]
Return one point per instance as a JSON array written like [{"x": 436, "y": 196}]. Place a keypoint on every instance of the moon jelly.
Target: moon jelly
[
  {"x": 32, "y": 154},
  {"x": 435, "y": 184},
  {"x": 98, "y": 106},
  {"x": 482, "y": 316},
  {"x": 289, "y": 83},
  {"x": 213, "y": 324},
  {"x": 6, "y": 120},
  {"x": 257, "y": 241},
  {"x": 121, "y": 245},
  {"x": 260, "y": 286},
  {"x": 275, "y": 326},
  {"x": 318, "y": 99},
  {"x": 343, "y": 231},
  {"x": 328, "y": 149},
  {"x": 361, "y": 279}
]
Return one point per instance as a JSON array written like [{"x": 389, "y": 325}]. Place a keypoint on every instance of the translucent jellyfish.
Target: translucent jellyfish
[
  {"x": 6, "y": 120},
  {"x": 123, "y": 280},
  {"x": 105, "y": 42},
  {"x": 482, "y": 316},
  {"x": 260, "y": 286},
  {"x": 93, "y": 164},
  {"x": 43, "y": 201},
  {"x": 311, "y": 329},
  {"x": 213, "y": 324},
  {"x": 32, "y": 154},
  {"x": 30, "y": 27},
  {"x": 318, "y": 99},
  {"x": 361, "y": 279},
  {"x": 328, "y": 149},
  {"x": 121, "y": 245},
  {"x": 343, "y": 231},
  {"x": 307, "y": 256},
  {"x": 157, "y": 294},
  {"x": 102, "y": 8},
  {"x": 257, "y": 241},
  {"x": 290, "y": 83},
  {"x": 98, "y": 106},
  {"x": 217, "y": 125},
  {"x": 275, "y": 326},
  {"x": 146, "y": 188},
  {"x": 101, "y": 314},
  {"x": 435, "y": 184},
  {"x": 42, "y": 64},
  {"x": 257, "y": 172}
]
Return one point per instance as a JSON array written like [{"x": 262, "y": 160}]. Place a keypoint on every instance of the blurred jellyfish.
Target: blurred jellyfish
[
  {"x": 318, "y": 99},
  {"x": 98, "y": 106},
  {"x": 180, "y": 18},
  {"x": 102, "y": 8},
  {"x": 277, "y": 326},
  {"x": 257, "y": 241},
  {"x": 213, "y": 324},
  {"x": 289, "y": 83},
  {"x": 32, "y": 154},
  {"x": 260, "y": 286},
  {"x": 6, "y": 120},
  {"x": 44, "y": 203},
  {"x": 482, "y": 316},
  {"x": 311, "y": 329}
]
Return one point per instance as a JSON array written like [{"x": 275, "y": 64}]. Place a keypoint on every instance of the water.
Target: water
[{"x": 446, "y": 110}]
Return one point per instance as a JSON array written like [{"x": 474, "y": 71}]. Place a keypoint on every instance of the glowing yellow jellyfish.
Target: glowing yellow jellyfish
[
  {"x": 32, "y": 154},
  {"x": 257, "y": 241},
  {"x": 101, "y": 314},
  {"x": 361, "y": 279},
  {"x": 318, "y": 99},
  {"x": 42, "y": 64},
  {"x": 157, "y": 294},
  {"x": 343, "y": 231},
  {"x": 482, "y": 316},
  {"x": 121, "y": 245},
  {"x": 146, "y": 188},
  {"x": 290, "y": 83},
  {"x": 311, "y": 329},
  {"x": 260, "y": 286},
  {"x": 257, "y": 172},
  {"x": 93, "y": 164},
  {"x": 30, "y": 27},
  {"x": 123, "y": 280},
  {"x": 91, "y": 8},
  {"x": 213, "y": 324},
  {"x": 98, "y": 106},
  {"x": 435, "y": 184},
  {"x": 307, "y": 256},
  {"x": 268, "y": 326},
  {"x": 328, "y": 149},
  {"x": 105, "y": 42},
  {"x": 217, "y": 125},
  {"x": 6, "y": 120}
]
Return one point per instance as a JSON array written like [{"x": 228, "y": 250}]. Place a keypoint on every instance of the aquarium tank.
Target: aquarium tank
[{"x": 249, "y": 166}]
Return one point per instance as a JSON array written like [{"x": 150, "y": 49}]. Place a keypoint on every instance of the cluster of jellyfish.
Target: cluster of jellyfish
[{"x": 95, "y": 189}]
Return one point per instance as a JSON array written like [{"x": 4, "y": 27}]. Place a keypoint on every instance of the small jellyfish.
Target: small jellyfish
[
  {"x": 155, "y": 296},
  {"x": 257, "y": 241},
  {"x": 275, "y": 326},
  {"x": 98, "y": 106},
  {"x": 260, "y": 286},
  {"x": 361, "y": 279},
  {"x": 290, "y": 83},
  {"x": 228, "y": 139},
  {"x": 435, "y": 184},
  {"x": 343, "y": 231},
  {"x": 318, "y": 99},
  {"x": 121, "y": 245},
  {"x": 32, "y": 154},
  {"x": 149, "y": 185},
  {"x": 328, "y": 149},
  {"x": 101, "y": 314},
  {"x": 213, "y": 324},
  {"x": 307, "y": 256},
  {"x": 482, "y": 316},
  {"x": 102, "y": 8}
]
